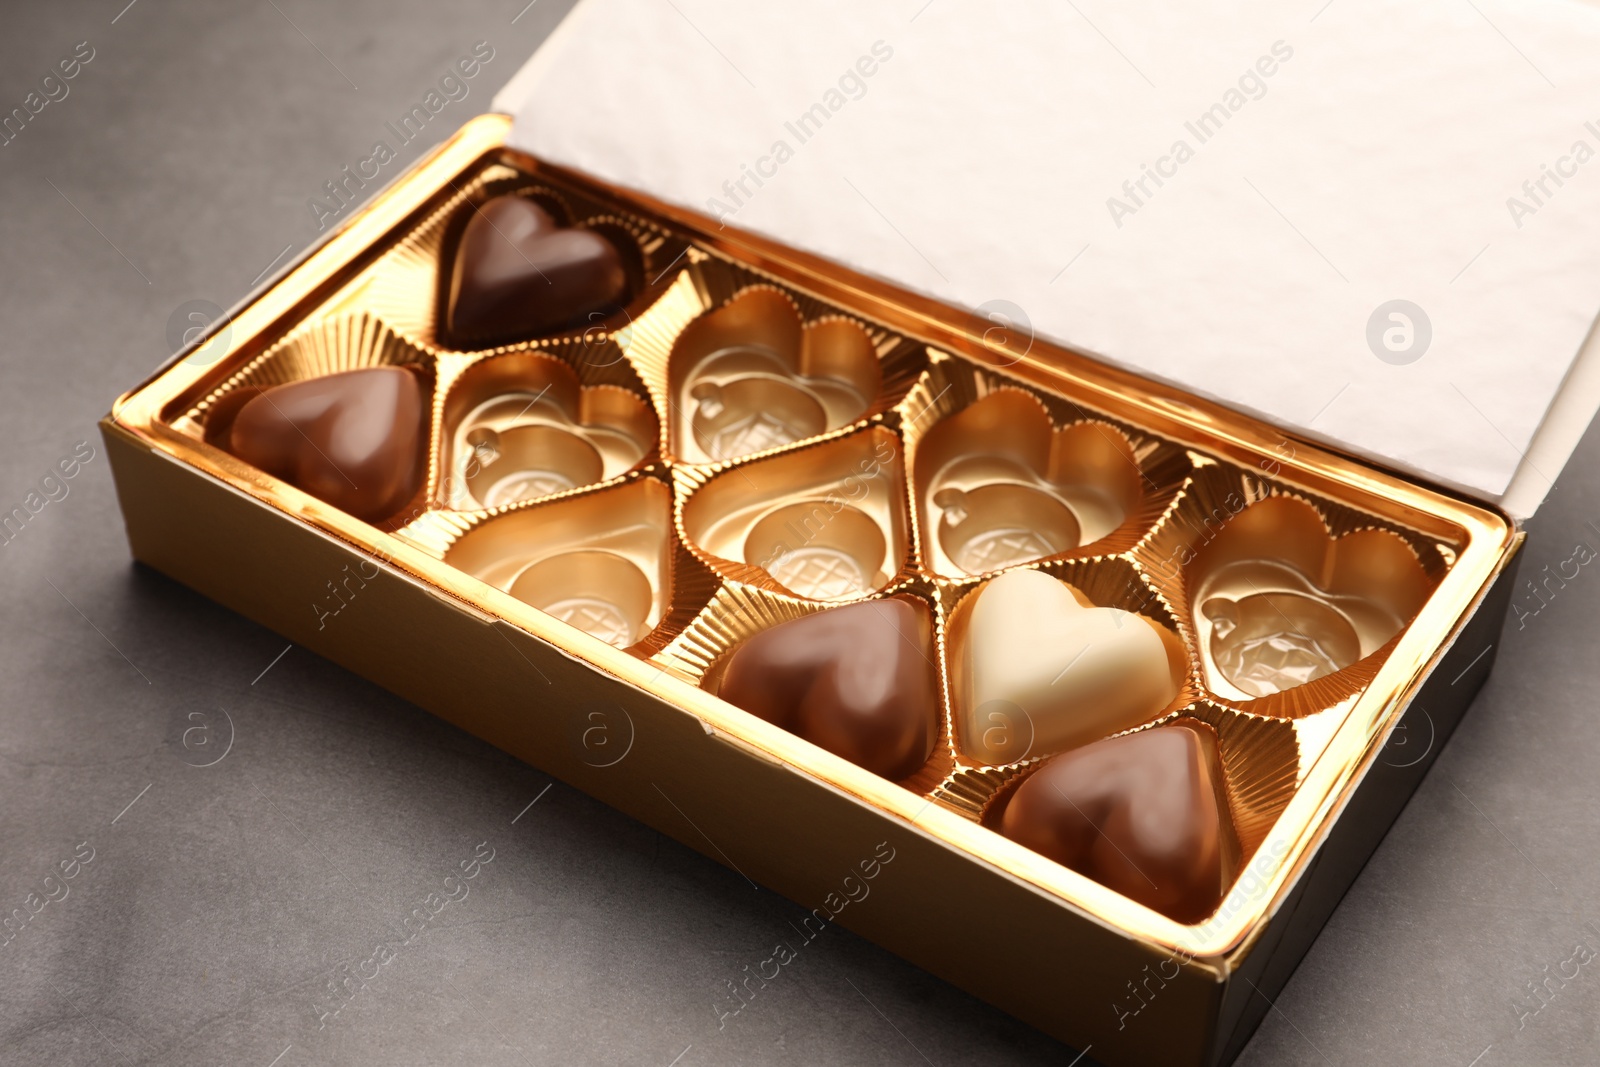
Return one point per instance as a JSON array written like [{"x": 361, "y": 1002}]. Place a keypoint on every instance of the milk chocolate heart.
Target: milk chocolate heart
[
  {"x": 1041, "y": 669},
  {"x": 1145, "y": 814},
  {"x": 859, "y": 681},
  {"x": 519, "y": 275},
  {"x": 354, "y": 439}
]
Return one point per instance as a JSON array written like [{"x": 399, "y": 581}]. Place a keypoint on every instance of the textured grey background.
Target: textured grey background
[{"x": 219, "y": 905}]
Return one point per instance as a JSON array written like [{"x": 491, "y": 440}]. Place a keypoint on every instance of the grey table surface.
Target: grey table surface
[{"x": 221, "y": 900}]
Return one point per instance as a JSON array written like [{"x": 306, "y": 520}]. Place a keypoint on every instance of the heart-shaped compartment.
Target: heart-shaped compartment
[
  {"x": 601, "y": 562},
  {"x": 1279, "y": 603},
  {"x": 520, "y": 426},
  {"x": 518, "y": 272},
  {"x": 998, "y": 485},
  {"x": 749, "y": 376},
  {"x": 1038, "y": 667},
  {"x": 1145, "y": 814},
  {"x": 824, "y": 523}
]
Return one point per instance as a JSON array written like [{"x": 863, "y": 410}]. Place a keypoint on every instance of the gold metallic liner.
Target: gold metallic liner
[
  {"x": 1477, "y": 542},
  {"x": 1203, "y": 521},
  {"x": 345, "y": 341},
  {"x": 1259, "y": 762},
  {"x": 408, "y": 288},
  {"x": 531, "y": 410},
  {"x": 823, "y": 520},
  {"x": 1083, "y": 447},
  {"x": 328, "y": 346},
  {"x": 707, "y": 286},
  {"x": 631, "y": 520}
]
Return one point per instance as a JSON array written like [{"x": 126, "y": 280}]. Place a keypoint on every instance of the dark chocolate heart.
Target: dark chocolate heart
[
  {"x": 354, "y": 439},
  {"x": 518, "y": 275},
  {"x": 1144, "y": 814},
  {"x": 857, "y": 680}
]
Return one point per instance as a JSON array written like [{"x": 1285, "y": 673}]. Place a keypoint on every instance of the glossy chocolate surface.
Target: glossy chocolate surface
[
  {"x": 519, "y": 274},
  {"x": 857, "y": 680},
  {"x": 353, "y": 439},
  {"x": 1040, "y": 668},
  {"x": 1144, "y": 814}
]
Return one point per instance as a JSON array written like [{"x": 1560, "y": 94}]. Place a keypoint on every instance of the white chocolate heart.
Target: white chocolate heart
[{"x": 1044, "y": 670}]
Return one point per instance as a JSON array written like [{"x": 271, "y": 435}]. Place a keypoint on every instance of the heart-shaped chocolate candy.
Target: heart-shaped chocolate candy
[
  {"x": 354, "y": 439},
  {"x": 858, "y": 680},
  {"x": 518, "y": 274},
  {"x": 1144, "y": 814},
  {"x": 1044, "y": 669}
]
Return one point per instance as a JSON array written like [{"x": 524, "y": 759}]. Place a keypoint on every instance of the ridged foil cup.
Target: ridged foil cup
[
  {"x": 1002, "y": 474},
  {"x": 345, "y": 342},
  {"x": 743, "y": 367},
  {"x": 534, "y": 423},
  {"x": 1260, "y": 763},
  {"x": 605, "y": 561},
  {"x": 1295, "y": 590},
  {"x": 318, "y": 348},
  {"x": 410, "y": 285},
  {"x": 822, "y": 521}
]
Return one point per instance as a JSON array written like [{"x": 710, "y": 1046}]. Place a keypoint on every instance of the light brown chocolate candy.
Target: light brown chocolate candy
[
  {"x": 857, "y": 680},
  {"x": 354, "y": 439},
  {"x": 1144, "y": 814}
]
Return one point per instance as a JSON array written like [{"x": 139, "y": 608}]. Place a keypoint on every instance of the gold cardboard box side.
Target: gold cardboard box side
[{"x": 998, "y": 937}]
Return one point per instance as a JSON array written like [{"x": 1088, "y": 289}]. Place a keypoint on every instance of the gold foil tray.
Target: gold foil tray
[{"x": 734, "y": 450}]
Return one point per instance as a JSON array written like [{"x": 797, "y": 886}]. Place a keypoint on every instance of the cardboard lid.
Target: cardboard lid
[{"x": 1225, "y": 196}]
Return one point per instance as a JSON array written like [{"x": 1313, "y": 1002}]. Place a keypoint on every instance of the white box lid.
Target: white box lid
[{"x": 1356, "y": 153}]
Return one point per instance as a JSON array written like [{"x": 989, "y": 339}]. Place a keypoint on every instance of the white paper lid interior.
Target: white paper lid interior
[{"x": 1220, "y": 196}]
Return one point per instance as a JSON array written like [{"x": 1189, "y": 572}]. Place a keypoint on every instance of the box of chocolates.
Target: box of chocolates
[{"x": 807, "y": 571}]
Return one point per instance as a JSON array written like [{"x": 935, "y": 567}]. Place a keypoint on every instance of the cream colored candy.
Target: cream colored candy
[{"x": 1045, "y": 670}]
